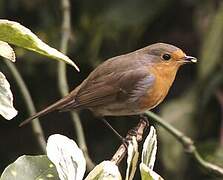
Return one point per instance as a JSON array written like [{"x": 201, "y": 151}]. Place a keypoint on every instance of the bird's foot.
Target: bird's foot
[{"x": 144, "y": 118}]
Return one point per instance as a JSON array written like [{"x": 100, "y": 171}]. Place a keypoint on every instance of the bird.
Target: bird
[{"x": 124, "y": 85}]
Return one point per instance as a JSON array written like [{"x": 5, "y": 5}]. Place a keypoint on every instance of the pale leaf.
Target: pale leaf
[
  {"x": 106, "y": 170},
  {"x": 6, "y": 99},
  {"x": 67, "y": 157},
  {"x": 132, "y": 159},
  {"x": 149, "y": 149},
  {"x": 148, "y": 174},
  {"x": 6, "y": 51}
]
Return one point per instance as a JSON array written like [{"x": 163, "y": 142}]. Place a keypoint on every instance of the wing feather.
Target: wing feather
[{"x": 112, "y": 88}]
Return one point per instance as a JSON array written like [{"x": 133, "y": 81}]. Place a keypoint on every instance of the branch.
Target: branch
[
  {"x": 36, "y": 127},
  {"x": 62, "y": 79},
  {"x": 138, "y": 132},
  {"x": 187, "y": 143},
  {"x": 219, "y": 96}
]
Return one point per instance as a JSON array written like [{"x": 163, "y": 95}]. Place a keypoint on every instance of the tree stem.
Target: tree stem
[
  {"x": 36, "y": 127},
  {"x": 187, "y": 143},
  {"x": 62, "y": 79}
]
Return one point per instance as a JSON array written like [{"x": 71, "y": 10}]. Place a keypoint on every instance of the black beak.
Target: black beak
[{"x": 189, "y": 59}]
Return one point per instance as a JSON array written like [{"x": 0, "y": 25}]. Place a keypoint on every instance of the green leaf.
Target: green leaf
[
  {"x": 148, "y": 174},
  {"x": 6, "y": 51},
  {"x": 106, "y": 170},
  {"x": 6, "y": 99},
  {"x": 30, "y": 167},
  {"x": 14, "y": 33},
  {"x": 132, "y": 159}
]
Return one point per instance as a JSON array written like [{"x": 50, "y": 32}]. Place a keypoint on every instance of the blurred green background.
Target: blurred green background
[{"x": 103, "y": 29}]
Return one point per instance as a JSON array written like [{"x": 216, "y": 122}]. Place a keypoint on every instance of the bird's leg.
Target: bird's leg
[
  {"x": 124, "y": 140},
  {"x": 134, "y": 132},
  {"x": 131, "y": 132},
  {"x": 144, "y": 118}
]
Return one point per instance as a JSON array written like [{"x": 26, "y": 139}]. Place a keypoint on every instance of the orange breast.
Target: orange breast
[{"x": 163, "y": 81}]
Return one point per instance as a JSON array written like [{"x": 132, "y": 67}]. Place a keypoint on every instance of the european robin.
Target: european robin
[{"x": 128, "y": 84}]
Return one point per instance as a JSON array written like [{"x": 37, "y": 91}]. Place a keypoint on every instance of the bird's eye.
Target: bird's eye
[{"x": 166, "y": 57}]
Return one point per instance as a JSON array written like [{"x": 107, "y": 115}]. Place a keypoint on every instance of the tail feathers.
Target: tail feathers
[{"x": 67, "y": 100}]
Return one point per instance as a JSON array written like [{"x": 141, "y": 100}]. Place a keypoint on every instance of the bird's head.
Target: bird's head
[{"x": 167, "y": 55}]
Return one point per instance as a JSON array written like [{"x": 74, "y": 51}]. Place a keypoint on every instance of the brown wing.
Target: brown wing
[{"x": 111, "y": 88}]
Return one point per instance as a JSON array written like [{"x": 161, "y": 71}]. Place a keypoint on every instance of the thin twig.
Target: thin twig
[
  {"x": 188, "y": 144},
  {"x": 36, "y": 127},
  {"x": 63, "y": 85},
  {"x": 219, "y": 96},
  {"x": 138, "y": 132}
]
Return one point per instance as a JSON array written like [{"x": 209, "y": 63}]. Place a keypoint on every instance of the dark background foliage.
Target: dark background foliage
[{"x": 103, "y": 29}]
